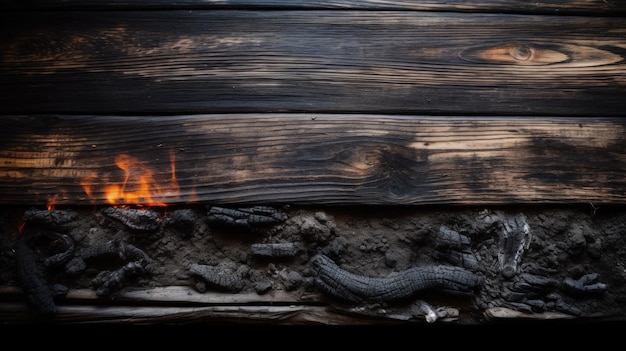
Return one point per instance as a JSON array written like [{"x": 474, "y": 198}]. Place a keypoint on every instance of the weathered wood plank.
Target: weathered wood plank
[
  {"x": 177, "y": 62},
  {"x": 180, "y": 304},
  {"x": 183, "y": 305},
  {"x": 610, "y": 8},
  {"x": 311, "y": 159}
]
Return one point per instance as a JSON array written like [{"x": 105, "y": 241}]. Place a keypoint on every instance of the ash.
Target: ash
[{"x": 530, "y": 260}]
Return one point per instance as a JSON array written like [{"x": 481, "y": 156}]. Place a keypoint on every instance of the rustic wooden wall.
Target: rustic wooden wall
[{"x": 315, "y": 103}]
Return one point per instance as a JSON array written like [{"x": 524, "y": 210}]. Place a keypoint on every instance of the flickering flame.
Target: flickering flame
[
  {"x": 51, "y": 202},
  {"x": 139, "y": 186}
]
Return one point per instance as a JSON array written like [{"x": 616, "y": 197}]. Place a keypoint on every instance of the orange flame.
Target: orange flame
[
  {"x": 139, "y": 186},
  {"x": 51, "y": 202}
]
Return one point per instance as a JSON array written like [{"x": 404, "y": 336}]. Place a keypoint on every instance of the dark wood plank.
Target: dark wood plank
[
  {"x": 590, "y": 7},
  {"x": 183, "y": 305},
  {"x": 179, "y": 62},
  {"x": 312, "y": 159}
]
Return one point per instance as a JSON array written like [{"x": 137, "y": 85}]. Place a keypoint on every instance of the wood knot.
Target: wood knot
[
  {"x": 516, "y": 54},
  {"x": 522, "y": 53},
  {"x": 539, "y": 54}
]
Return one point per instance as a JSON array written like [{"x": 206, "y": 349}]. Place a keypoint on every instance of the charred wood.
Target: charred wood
[
  {"x": 274, "y": 250},
  {"x": 220, "y": 278},
  {"x": 54, "y": 219},
  {"x": 245, "y": 218},
  {"x": 106, "y": 282},
  {"x": 361, "y": 289},
  {"x": 455, "y": 248},
  {"x": 142, "y": 220},
  {"x": 515, "y": 238},
  {"x": 32, "y": 279}
]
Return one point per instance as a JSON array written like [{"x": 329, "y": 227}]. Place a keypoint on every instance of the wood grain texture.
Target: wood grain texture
[
  {"x": 313, "y": 159},
  {"x": 182, "y": 62},
  {"x": 182, "y": 305},
  {"x": 596, "y": 7}
]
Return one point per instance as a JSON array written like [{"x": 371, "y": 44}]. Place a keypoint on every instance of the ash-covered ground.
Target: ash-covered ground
[{"x": 533, "y": 260}]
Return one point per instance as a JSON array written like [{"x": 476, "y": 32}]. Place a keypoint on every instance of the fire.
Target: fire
[
  {"x": 138, "y": 186},
  {"x": 51, "y": 202}
]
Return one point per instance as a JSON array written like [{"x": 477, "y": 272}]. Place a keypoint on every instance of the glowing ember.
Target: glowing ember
[{"x": 51, "y": 202}]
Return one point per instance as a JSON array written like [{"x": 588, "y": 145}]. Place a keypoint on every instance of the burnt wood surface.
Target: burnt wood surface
[
  {"x": 403, "y": 62},
  {"x": 310, "y": 102},
  {"x": 588, "y": 7},
  {"x": 183, "y": 305},
  {"x": 313, "y": 159}
]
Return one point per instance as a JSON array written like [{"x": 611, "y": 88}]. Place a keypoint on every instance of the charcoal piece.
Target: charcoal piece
[
  {"x": 129, "y": 252},
  {"x": 274, "y": 250},
  {"x": 99, "y": 249},
  {"x": 142, "y": 220},
  {"x": 293, "y": 279},
  {"x": 451, "y": 239},
  {"x": 263, "y": 286},
  {"x": 66, "y": 244},
  {"x": 32, "y": 279},
  {"x": 360, "y": 289},
  {"x": 463, "y": 259},
  {"x": 106, "y": 282},
  {"x": 586, "y": 285},
  {"x": 75, "y": 265},
  {"x": 455, "y": 248},
  {"x": 115, "y": 247},
  {"x": 513, "y": 296},
  {"x": 137, "y": 262},
  {"x": 218, "y": 277},
  {"x": 537, "y": 304},
  {"x": 515, "y": 238},
  {"x": 538, "y": 283},
  {"x": 244, "y": 218},
  {"x": 564, "y": 307},
  {"x": 518, "y": 306},
  {"x": 50, "y": 218},
  {"x": 526, "y": 288}
]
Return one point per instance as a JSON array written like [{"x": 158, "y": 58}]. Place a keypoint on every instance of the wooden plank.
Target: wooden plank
[
  {"x": 609, "y": 8},
  {"x": 312, "y": 159},
  {"x": 183, "y": 305},
  {"x": 178, "y": 62},
  {"x": 173, "y": 295}
]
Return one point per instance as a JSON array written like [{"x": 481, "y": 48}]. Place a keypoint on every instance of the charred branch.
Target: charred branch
[
  {"x": 361, "y": 289},
  {"x": 32, "y": 279},
  {"x": 54, "y": 219},
  {"x": 455, "y": 248},
  {"x": 515, "y": 238},
  {"x": 141, "y": 220},
  {"x": 217, "y": 277},
  {"x": 274, "y": 250},
  {"x": 246, "y": 218}
]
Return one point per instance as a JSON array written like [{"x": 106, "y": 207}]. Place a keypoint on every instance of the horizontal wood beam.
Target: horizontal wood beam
[
  {"x": 230, "y": 61},
  {"x": 609, "y": 8},
  {"x": 311, "y": 159},
  {"x": 183, "y": 305}
]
